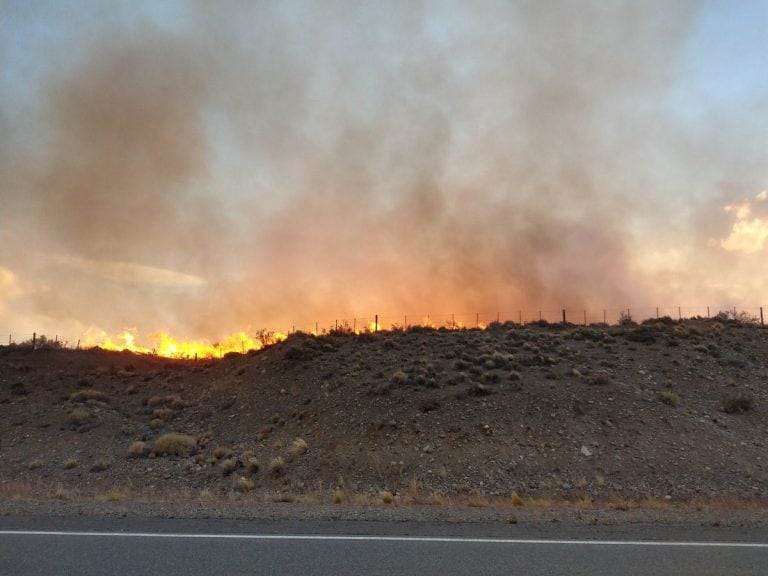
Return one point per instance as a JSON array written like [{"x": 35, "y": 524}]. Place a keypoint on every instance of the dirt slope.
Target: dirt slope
[{"x": 668, "y": 411}]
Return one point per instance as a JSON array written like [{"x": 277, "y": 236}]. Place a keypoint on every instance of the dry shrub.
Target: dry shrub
[
  {"x": 252, "y": 465},
  {"x": 100, "y": 465},
  {"x": 478, "y": 500},
  {"x": 737, "y": 404},
  {"x": 243, "y": 484},
  {"x": 79, "y": 416},
  {"x": 669, "y": 397},
  {"x": 284, "y": 497},
  {"x": 114, "y": 494},
  {"x": 35, "y": 464},
  {"x": 228, "y": 465},
  {"x": 516, "y": 501},
  {"x": 61, "y": 493},
  {"x": 85, "y": 395},
  {"x": 221, "y": 452},
  {"x": 338, "y": 496},
  {"x": 277, "y": 466},
  {"x": 71, "y": 463},
  {"x": 163, "y": 414},
  {"x": 386, "y": 497},
  {"x": 136, "y": 449},
  {"x": 299, "y": 447},
  {"x": 175, "y": 444}
]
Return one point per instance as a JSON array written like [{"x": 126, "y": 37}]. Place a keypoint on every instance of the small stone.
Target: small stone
[{"x": 586, "y": 451}]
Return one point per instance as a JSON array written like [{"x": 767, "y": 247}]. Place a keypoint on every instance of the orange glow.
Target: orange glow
[{"x": 165, "y": 345}]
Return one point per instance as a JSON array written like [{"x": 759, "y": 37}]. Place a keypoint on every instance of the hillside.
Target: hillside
[{"x": 663, "y": 412}]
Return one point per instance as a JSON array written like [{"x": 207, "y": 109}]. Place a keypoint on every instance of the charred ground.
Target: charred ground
[{"x": 660, "y": 412}]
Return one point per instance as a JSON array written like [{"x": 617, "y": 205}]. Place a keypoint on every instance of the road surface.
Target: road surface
[{"x": 84, "y": 546}]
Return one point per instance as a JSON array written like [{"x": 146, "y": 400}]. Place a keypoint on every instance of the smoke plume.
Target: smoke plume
[{"x": 267, "y": 164}]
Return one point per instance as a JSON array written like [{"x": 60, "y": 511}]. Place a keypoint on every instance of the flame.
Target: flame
[{"x": 165, "y": 345}]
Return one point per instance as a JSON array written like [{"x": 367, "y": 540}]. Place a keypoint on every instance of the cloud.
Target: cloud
[{"x": 747, "y": 235}]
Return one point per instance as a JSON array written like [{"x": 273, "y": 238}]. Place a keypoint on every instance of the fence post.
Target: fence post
[
  {"x": 585, "y": 317},
  {"x": 539, "y": 315},
  {"x": 316, "y": 333},
  {"x": 762, "y": 321},
  {"x": 405, "y": 322},
  {"x": 10, "y": 339},
  {"x": 604, "y": 317},
  {"x": 376, "y": 323},
  {"x": 657, "y": 312},
  {"x": 78, "y": 343},
  {"x": 679, "y": 313},
  {"x": 477, "y": 319},
  {"x": 34, "y": 340},
  {"x": 707, "y": 311},
  {"x": 563, "y": 315}
]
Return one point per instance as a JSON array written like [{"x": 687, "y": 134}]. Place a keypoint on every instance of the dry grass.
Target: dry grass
[
  {"x": 100, "y": 465},
  {"x": 669, "y": 397},
  {"x": 35, "y": 464},
  {"x": 252, "y": 465},
  {"x": 299, "y": 447},
  {"x": 114, "y": 494},
  {"x": 86, "y": 395},
  {"x": 277, "y": 466},
  {"x": 61, "y": 493},
  {"x": 164, "y": 414},
  {"x": 243, "y": 484},
  {"x": 478, "y": 500},
  {"x": 79, "y": 416},
  {"x": 175, "y": 444},
  {"x": 338, "y": 496},
  {"x": 70, "y": 463},
  {"x": 516, "y": 501},
  {"x": 228, "y": 465},
  {"x": 283, "y": 497},
  {"x": 221, "y": 452},
  {"x": 136, "y": 449},
  {"x": 386, "y": 497}
]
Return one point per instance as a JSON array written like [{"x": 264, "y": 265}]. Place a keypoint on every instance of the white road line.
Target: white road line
[{"x": 350, "y": 538}]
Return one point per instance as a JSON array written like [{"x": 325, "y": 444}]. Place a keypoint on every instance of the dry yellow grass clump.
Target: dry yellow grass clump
[
  {"x": 299, "y": 447},
  {"x": 174, "y": 443}
]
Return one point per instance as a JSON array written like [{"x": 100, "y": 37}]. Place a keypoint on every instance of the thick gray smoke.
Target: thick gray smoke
[{"x": 216, "y": 166}]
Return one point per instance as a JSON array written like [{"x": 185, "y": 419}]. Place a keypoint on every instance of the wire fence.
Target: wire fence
[
  {"x": 454, "y": 321},
  {"x": 605, "y": 316}
]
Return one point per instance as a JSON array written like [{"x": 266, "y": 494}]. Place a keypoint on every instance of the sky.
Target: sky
[{"x": 203, "y": 168}]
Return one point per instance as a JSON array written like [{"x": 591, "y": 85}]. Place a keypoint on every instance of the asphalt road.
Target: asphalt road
[{"x": 83, "y": 546}]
